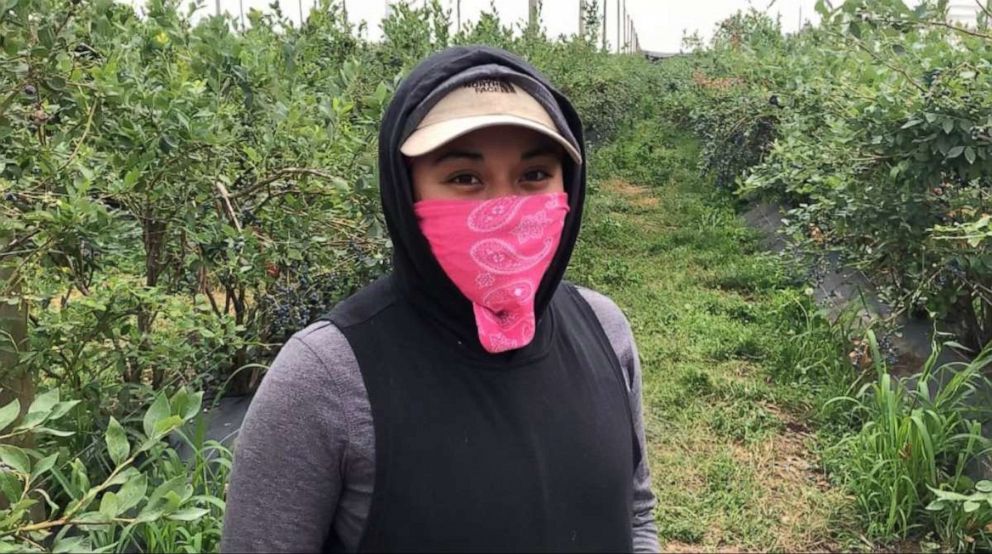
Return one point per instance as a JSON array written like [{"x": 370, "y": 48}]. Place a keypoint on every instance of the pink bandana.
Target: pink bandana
[{"x": 496, "y": 252}]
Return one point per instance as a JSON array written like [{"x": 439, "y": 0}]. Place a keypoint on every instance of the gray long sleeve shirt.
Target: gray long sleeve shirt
[{"x": 304, "y": 461}]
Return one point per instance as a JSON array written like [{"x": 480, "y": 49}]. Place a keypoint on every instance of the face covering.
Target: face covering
[
  {"x": 496, "y": 251},
  {"x": 417, "y": 276}
]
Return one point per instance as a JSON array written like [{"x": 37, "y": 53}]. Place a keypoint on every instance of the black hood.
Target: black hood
[{"x": 416, "y": 272}]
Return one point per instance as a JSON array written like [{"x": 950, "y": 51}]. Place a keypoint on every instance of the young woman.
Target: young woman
[{"x": 470, "y": 399}]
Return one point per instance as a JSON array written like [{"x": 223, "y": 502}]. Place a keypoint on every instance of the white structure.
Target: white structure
[
  {"x": 655, "y": 25},
  {"x": 964, "y": 12},
  {"x": 559, "y": 17}
]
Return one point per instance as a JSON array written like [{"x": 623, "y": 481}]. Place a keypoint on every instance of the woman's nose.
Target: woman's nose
[{"x": 503, "y": 187}]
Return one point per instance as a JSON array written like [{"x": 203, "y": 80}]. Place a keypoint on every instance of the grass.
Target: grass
[
  {"x": 732, "y": 453},
  {"x": 917, "y": 440}
]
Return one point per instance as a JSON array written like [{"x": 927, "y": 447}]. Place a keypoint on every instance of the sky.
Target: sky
[{"x": 659, "y": 23}]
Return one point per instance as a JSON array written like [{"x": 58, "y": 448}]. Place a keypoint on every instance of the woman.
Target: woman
[{"x": 469, "y": 400}]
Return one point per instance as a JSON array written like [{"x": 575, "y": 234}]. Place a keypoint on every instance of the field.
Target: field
[
  {"x": 732, "y": 452},
  {"x": 177, "y": 200}
]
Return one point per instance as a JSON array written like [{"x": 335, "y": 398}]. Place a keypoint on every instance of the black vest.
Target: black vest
[{"x": 476, "y": 456}]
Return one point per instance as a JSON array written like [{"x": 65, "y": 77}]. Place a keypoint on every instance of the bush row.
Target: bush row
[
  {"x": 176, "y": 200},
  {"x": 874, "y": 129}
]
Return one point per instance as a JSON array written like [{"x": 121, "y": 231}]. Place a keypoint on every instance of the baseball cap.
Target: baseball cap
[{"x": 479, "y": 103}]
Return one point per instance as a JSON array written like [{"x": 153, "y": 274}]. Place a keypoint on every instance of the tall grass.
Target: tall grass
[{"x": 918, "y": 437}]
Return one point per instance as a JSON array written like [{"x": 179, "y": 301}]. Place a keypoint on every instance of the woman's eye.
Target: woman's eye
[
  {"x": 465, "y": 179},
  {"x": 536, "y": 175}
]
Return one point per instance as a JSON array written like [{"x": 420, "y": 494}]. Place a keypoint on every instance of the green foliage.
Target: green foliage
[
  {"x": 149, "y": 167},
  {"x": 873, "y": 129},
  {"x": 965, "y": 518},
  {"x": 176, "y": 201},
  {"x": 917, "y": 439},
  {"x": 126, "y": 504},
  {"x": 726, "y": 422},
  {"x": 179, "y": 199}
]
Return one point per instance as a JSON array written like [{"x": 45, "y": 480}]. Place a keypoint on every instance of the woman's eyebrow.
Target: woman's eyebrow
[
  {"x": 545, "y": 150},
  {"x": 456, "y": 154}
]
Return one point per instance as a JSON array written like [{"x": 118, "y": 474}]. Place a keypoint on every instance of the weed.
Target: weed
[{"x": 917, "y": 436}]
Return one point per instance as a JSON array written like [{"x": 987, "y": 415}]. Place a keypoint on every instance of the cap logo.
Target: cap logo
[{"x": 491, "y": 85}]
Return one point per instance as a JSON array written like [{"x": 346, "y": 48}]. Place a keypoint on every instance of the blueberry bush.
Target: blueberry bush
[
  {"x": 873, "y": 128},
  {"x": 175, "y": 201}
]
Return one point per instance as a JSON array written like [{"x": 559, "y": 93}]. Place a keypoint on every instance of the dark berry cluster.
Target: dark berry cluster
[
  {"x": 299, "y": 297},
  {"x": 887, "y": 349}
]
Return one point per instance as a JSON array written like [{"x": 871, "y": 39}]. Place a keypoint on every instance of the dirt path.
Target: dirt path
[{"x": 731, "y": 454}]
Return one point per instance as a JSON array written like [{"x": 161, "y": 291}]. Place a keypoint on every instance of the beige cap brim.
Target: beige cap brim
[{"x": 428, "y": 138}]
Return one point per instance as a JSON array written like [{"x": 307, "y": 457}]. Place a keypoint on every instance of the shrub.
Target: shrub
[
  {"x": 873, "y": 130},
  {"x": 917, "y": 439},
  {"x": 178, "y": 200},
  {"x": 129, "y": 503}
]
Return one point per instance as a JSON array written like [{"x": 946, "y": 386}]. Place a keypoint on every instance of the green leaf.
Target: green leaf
[
  {"x": 984, "y": 486},
  {"x": 955, "y": 152},
  {"x": 948, "y": 125},
  {"x": 6, "y": 5},
  {"x": 90, "y": 517},
  {"x": 117, "y": 444},
  {"x": 62, "y": 408},
  {"x": 15, "y": 458},
  {"x": 172, "y": 485},
  {"x": 220, "y": 504},
  {"x": 854, "y": 29},
  {"x": 43, "y": 465},
  {"x": 936, "y": 506},
  {"x": 32, "y": 420},
  {"x": 971, "y": 506},
  {"x": 187, "y": 405},
  {"x": 44, "y": 403},
  {"x": 122, "y": 477},
  {"x": 79, "y": 476},
  {"x": 969, "y": 154},
  {"x": 251, "y": 153},
  {"x": 10, "y": 486},
  {"x": 92, "y": 521},
  {"x": 53, "y": 432},
  {"x": 168, "y": 424},
  {"x": 46, "y": 37},
  {"x": 188, "y": 514},
  {"x": 72, "y": 544},
  {"x": 9, "y": 413},
  {"x": 55, "y": 82},
  {"x": 132, "y": 492},
  {"x": 158, "y": 411},
  {"x": 948, "y": 495},
  {"x": 193, "y": 406},
  {"x": 109, "y": 505},
  {"x": 147, "y": 515},
  {"x": 131, "y": 177}
]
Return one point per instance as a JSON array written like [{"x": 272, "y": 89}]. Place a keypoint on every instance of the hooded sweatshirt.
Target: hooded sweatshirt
[{"x": 387, "y": 425}]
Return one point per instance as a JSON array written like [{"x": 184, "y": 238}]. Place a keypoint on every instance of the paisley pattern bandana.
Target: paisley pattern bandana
[{"x": 496, "y": 252}]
